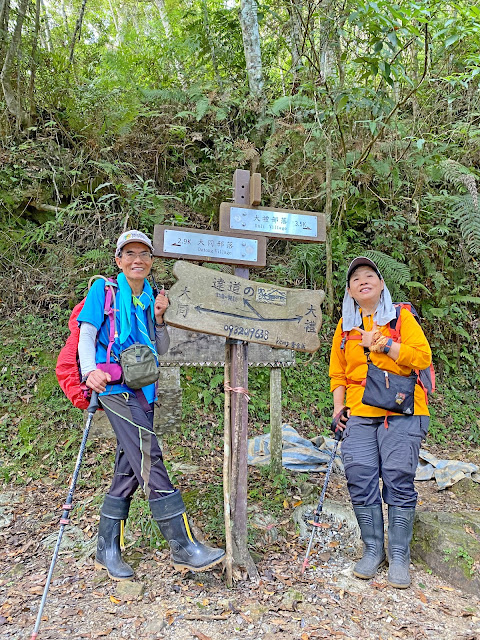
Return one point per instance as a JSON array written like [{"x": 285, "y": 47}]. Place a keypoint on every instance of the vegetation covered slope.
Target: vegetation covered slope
[{"x": 129, "y": 114}]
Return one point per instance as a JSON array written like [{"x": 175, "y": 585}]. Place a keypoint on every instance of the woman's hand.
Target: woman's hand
[
  {"x": 369, "y": 337},
  {"x": 339, "y": 419},
  {"x": 97, "y": 380},
  {"x": 161, "y": 304}
]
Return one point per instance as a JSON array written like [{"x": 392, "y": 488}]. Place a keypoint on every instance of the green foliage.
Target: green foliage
[
  {"x": 147, "y": 126},
  {"x": 465, "y": 208}
]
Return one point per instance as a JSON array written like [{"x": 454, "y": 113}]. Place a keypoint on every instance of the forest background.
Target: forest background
[{"x": 119, "y": 115}]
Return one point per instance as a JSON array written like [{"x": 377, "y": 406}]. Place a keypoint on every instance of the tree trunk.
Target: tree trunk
[
  {"x": 33, "y": 64},
  {"x": 296, "y": 35},
  {"x": 211, "y": 44},
  {"x": 12, "y": 99},
  {"x": 78, "y": 30},
  {"x": 47, "y": 35},
  {"x": 4, "y": 16},
  {"x": 251, "y": 46},
  {"x": 162, "y": 10},
  {"x": 328, "y": 227}
]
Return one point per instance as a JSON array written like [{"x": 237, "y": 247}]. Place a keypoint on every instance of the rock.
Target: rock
[
  {"x": 291, "y": 599},
  {"x": 449, "y": 544},
  {"x": 155, "y": 626},
  {"x": 7, "y": 500},
  {"x": 72, "y": 538},
  {"x": 468, "y": 491},
  {"x": 334, "y": 513},
  {"x": 129, "y": 590}
]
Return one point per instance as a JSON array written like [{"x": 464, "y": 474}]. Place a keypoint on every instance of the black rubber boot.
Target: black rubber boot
[
  {"x": 108, "y": 554},
  {"x": 370, "y": 521},
  {"x": 400, "y": 528},
  {"x": 185, "y": 550}
]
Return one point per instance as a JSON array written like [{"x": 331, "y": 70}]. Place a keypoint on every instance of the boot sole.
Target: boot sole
[
  {"x": 397, "y": 585},
  {"x": 362, "y": 576},
  {"x": 101, "y": 567},
  {"x": 206, "y": 567}
]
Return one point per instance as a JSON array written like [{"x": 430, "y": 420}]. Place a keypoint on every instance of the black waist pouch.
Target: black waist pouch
[{"x": 390, "y": 391}]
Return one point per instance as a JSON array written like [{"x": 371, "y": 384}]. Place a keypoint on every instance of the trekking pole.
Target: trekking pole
[
  {"x": 338, "y": 436},
  {"x": 155, "y": 287},
  {"x": 67, "y": 507}
]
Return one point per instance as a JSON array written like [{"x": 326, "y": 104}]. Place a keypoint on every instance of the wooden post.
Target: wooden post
[
  {"x": 239, "y": 421},
  {"x": 276, "y": 420},
  {"x": 227, "y": 470}
]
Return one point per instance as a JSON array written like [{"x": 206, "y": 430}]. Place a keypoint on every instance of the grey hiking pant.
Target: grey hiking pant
[
  {"x": 138, "y": 459},
  {"x": 371, "y": 451}
]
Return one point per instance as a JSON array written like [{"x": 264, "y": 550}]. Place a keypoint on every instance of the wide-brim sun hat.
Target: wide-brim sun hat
[
  {"x": 133, "y": 236},
  {"x": 362, "y": 261}
]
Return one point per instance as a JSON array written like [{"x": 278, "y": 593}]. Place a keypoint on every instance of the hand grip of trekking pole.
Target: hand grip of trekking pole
[
  {"x": 339, "y": 419},
  {"x": 93, "y": 406}
]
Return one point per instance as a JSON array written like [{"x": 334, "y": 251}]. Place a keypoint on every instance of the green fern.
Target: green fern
[
  {"x": 391, "y": 269},
  {"x": 172, "y": 95},
  {"x": 465, "y": 209},
  {"x": 468, "y": 216}
]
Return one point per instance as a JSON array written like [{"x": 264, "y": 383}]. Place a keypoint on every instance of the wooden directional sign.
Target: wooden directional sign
[
  {"x": 307, "y": 226},
  {"x": 203, "y": 349},
  {"x": 210, "y": 301},
  {"x": 209, "y": 246}
]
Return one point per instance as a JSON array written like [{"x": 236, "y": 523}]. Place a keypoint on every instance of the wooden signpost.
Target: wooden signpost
[
  {"x": 273, "y": 223},
  {"x": 209, "y": 246},
  {"x": 226, "y": 305},
  {"x": 243, "y": 311}
]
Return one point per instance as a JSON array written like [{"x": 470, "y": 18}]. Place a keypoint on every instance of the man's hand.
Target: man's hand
[
  {"x": 161, "y": 304},
  {"x": 97, "y": 380}
]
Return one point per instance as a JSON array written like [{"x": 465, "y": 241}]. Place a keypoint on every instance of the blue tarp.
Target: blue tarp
[{"x": 302, "y": 455}]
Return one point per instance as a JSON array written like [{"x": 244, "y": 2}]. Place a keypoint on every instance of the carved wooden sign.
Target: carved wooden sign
[
  {"x": 200, "y": 349},
  {"x": 210, "y": 301},
  {"x": 209, "y": 246},
  {"x": 307, "y": 226}
]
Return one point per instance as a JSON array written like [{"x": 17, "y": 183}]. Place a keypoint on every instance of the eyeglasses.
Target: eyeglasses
[{"x": 144, "y": 256}]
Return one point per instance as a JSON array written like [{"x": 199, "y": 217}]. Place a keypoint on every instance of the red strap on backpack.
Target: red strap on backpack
[{"x": 67, "y": 368}]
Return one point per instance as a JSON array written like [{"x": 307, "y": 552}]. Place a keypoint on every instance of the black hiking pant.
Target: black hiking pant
[{"x": 138, "y": 459}]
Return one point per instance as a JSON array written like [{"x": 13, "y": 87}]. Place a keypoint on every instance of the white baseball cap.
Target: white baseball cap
[{"x": 132, "y": 236}]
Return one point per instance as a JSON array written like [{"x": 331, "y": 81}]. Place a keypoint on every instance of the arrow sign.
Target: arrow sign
[
  {"x": 209, "y": 246},
  {"x": 210, "y": 301},
  {"x": 307, "y": 226}
]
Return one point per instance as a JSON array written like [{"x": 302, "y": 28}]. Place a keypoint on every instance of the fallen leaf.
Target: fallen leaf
[
  {"x": 447, "y": 588},
  {"x": 115, "y": 600},
  {"x": 105, "y": 632},
  {"x": 378, "y": 585},
  {"x": 305, "y": 636},
  {"x": 199, "y": 635},
  {"x": 422, "y": 596},
  {"x": 170, "y": 616}
]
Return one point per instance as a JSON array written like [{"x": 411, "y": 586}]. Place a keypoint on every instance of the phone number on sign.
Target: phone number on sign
[{"x": 258, "y": 334}]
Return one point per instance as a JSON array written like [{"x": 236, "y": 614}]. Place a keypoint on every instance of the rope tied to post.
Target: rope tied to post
[{"x": 227, "y": 387}]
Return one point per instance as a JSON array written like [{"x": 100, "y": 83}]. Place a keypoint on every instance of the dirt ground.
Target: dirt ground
[{"x": 324, "y": 602}]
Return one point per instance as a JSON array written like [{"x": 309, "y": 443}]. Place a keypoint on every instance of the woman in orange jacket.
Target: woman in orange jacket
[{"x": 379, "y": 440}]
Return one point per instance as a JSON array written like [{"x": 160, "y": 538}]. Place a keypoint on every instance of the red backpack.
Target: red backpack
[
  {"x": 425, "y": 377},
  {"x": 67, "y": 369}
]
